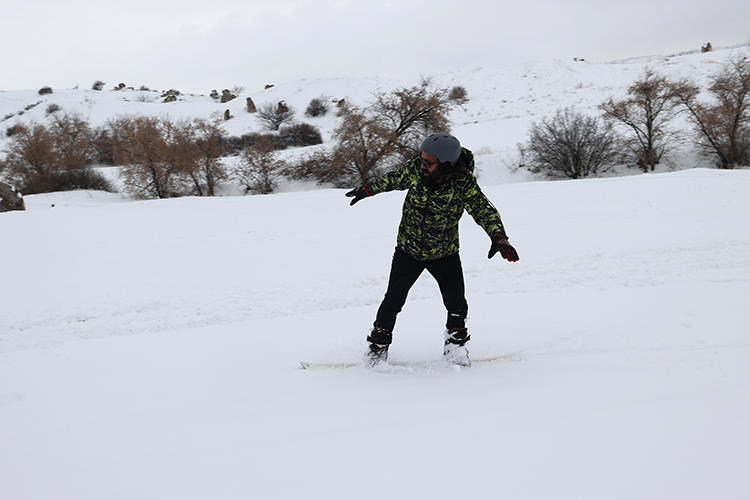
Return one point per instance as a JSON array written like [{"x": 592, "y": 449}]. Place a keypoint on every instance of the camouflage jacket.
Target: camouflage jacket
[{"x": 429, "y": 222}]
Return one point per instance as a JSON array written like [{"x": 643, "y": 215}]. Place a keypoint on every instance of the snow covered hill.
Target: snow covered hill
[
  {"x": 503, "y": 101},
  {"x": 150, "y": 349}
]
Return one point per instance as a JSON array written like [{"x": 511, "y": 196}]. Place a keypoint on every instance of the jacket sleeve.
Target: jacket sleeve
[
  {"x": 397, "y": 180},
  {"x": 482, "y": 210}
]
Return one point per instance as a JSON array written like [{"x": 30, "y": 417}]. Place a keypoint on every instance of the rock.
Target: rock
[
  {"x": 227, "y": 115},
  {"x": 10, "y": 199},
  {"x": 226, "y": 95},
  {"x": 268, "y": 86},
  {"x": 282, "y": 107},
  {"x": 250, "y": 106}
]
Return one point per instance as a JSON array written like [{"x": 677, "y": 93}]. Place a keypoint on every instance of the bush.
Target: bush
[
  {"x": 45, "y": 90},
  {"x": 13, "y": 130},
  {"x": 70, "y": 180},
  {"x": 571, "y": 145},
  {"x": 259, "y": 168},
  {"x": 235, "y": 145},
  {"x": 316, "y": 108},
  {"x": 52, "y": 108},
  {"x": 98, "y": 85},
  {"x": 275, "y": 115},
  {"x": 300, "y": 135},
  {"x": 458, "y": 94}
]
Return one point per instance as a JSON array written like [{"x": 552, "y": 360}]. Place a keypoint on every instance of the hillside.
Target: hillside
[{"x": 503, "y": 101}]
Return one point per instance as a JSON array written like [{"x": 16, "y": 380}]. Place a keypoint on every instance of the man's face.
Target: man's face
[{"x": 429, "y": 164}]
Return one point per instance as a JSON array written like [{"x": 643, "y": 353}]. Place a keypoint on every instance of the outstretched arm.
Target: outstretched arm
[{"x": 396, "y": 180}]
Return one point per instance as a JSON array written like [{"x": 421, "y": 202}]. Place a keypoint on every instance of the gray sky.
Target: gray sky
[{"x": 197, "y": 45}]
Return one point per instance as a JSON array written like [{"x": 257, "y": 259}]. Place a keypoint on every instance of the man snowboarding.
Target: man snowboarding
[{"x": 441, "y": 185}]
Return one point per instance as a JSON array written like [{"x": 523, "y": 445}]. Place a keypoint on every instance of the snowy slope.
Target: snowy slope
[
  {"x": 150, "y": 349},
  {"x": 503, "y": 101}
]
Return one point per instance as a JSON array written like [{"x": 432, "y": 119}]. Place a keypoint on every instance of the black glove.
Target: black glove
[
  {"x": 359, "y": 193},
  {"x": 500, "y": 244}
]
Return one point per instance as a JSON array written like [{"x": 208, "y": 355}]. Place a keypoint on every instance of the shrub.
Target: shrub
[
  {"x": 300, "y": 135},
  {"x": 45, "y": 90},
  {"x": 98, "y": 85},
  {"x": 275, "y": 115},
  {"x": 13, "y": 130},
  {"x": 52, "y": 108},
  {"x": 458, "y": 94},
  {"x": 317, "y": 107},
  {"x": 570, "y": 144},
  {"x": 68, "y": 180},
  {"x": 259, "y": 168},
  {"x": 235, "y": 145}
]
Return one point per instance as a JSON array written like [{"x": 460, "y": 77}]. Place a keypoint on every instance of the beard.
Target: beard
[{"x": 431, "y": 179}]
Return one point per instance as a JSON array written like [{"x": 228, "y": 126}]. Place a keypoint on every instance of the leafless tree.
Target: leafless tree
[
  {"x": 142, "y": 150},
  {"x": 208, "y": 138},
  {"x": 275, "y": 115},
  {"x": 364, "y": 144},
  {"x": 723, "y": 123},
  {"x": 571, "y": 145},
  {"x": 408, "y": 115},
  {"x": 371, "y": 139},
  {"x": 646, "y": 112},
  {"x": 74, "y": 141},
  {"x": 259, "y": 167},
  {"x": 30, "y": 153}
]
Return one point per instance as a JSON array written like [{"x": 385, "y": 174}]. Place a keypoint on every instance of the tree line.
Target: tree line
[
  {"x": 638, "y": 129},
  {"x": 162, "y": 157}
]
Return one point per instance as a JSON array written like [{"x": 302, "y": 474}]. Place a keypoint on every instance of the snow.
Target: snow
[{"x": 150, "y": 349}]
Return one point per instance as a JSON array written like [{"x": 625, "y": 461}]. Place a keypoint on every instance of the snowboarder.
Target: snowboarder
[{"x": 441, "y": 185}]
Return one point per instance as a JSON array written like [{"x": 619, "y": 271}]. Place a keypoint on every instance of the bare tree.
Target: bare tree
[
  {"x": 142, "y": 150},
  {"x": 722, "y": 125},
  {"x": 371, "y": 139},
  {"x": 181, "y": 157},
  {"x": 364, "y": 146},
  {"x": 74, "y": 141},
  {"x": 646, "y": 111},
  {"x": 275, "y": 115},
  {"x": 209, "y": 140},
  {"x": 408, "y": 115},
  {"x": 31, "y": 153},
  {"x": 570, "y": 144},
  {"x": 259, "y": 167}
]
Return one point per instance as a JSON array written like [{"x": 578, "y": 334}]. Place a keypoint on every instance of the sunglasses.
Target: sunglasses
[{"x": 428, "y": 164}]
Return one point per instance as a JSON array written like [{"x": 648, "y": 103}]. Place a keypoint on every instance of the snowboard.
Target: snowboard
[{"x": 404, "y": 365}]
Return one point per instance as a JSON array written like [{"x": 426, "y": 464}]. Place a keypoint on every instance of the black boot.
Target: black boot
[{"x": 379, "y": 340}]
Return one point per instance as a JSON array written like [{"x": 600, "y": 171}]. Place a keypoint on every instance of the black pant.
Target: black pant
[{"x": 404, "y": 272}]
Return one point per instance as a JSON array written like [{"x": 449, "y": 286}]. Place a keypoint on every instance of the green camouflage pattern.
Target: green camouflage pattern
[{"x": 429, "y": 222}]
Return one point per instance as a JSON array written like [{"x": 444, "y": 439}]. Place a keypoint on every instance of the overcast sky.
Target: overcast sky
[{"x": 198, "y": 45}]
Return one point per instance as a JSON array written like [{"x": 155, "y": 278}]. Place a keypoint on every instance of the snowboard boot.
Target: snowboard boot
[
  {"x": 454, "y": 350},
  {"x": 379, "y": 340}
]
